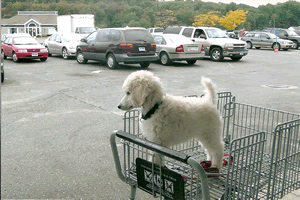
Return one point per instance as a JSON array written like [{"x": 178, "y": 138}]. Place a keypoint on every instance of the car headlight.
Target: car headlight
[
  {"x": 43, "y": 50},
  {"x": 71, "y": 47},
  {"x": 22, "y": 50},
  {"x": 228, "y": 46}
]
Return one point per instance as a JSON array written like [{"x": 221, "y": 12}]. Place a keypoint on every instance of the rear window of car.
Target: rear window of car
[
  {"x": 179, "y": 38},
  {"x": 137, "y": 35},
  {"x": 157, "y": 30},
  {"x": 174, "y": 30}
]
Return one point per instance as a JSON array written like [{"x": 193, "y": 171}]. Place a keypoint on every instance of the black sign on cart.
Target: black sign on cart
[{"x": 169, "y": 183}]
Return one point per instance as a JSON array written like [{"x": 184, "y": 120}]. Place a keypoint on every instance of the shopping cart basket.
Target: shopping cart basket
[{"x": 262, "y": 144}]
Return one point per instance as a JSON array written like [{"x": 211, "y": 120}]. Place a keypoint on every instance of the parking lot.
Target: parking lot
[{"x": 57, "y": 116}]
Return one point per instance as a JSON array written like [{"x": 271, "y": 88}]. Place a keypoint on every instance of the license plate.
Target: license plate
[
  {"x": 193, "y": 48},
  {"x": 241, "y": 53},
  {"x": 142, "y": 49},
  {"x": 34, "y": 54}
]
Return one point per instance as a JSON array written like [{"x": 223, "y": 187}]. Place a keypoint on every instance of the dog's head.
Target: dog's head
[{"x": 137, "y": 87}]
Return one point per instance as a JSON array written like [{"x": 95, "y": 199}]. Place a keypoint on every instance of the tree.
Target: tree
[
  {"x": 208, "y": 19},
  {"x": 165, "y": 18},
  {"x": 233, "y": 18}
]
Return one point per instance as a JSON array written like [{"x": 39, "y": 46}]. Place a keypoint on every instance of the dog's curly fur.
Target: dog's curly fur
[{"x": 177, "y": 119}]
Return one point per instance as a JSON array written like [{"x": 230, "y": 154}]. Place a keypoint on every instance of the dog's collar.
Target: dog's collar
[{"x": 151, "y": 111}]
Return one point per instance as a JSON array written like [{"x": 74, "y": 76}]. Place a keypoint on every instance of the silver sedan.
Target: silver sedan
[
  {"x": 62, "y": 44},
  {"x": 173, "y": 47}
]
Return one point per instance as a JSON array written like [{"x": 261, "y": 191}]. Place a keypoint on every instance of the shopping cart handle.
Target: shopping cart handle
[{"x": 153, "y": 146}]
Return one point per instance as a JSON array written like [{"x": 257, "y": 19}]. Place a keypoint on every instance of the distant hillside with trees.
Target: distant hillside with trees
[{"x": 150, "y": 13}]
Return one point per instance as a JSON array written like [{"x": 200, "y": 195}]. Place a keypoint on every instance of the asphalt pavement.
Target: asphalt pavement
[{"x": 57, "y": 116}]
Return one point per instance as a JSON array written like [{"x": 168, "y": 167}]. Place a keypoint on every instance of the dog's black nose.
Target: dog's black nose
[{"x": 119, "y": 106}]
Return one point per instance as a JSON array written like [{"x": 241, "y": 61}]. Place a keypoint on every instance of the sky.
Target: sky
[{"x": 254, "y": 3}]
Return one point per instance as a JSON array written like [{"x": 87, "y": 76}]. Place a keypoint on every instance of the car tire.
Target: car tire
[
  {"x": 49, "y": 54},
  {"x": 236, "y": 58},
  {"x": 144, "y": 65},
  {"x": 249, "y": 45},
  {"x": 296, "y": 44},
  {"x": 80, "y": 58},
  {"x": 191, "y": 62},
  {"x": 274, "y": 45},
  {"x": 15, "y": 58},
  {"x": 2, "y": 76},
  {"x": 3, "y": 55},
  {"x": 164, "y": 59},
  {"x": 64, "y": 53},
  {"x": 216, "y": 54},
  {"x": 43, "y": 59},
  {"x": 257, "y": 47},
  {"x": 111, "y": 61}
]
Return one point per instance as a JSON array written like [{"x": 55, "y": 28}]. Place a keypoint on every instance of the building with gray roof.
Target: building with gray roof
[{"x": 35, "y": 23}]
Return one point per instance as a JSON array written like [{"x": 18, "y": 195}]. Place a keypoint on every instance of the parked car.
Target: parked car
[
  {"x": 63, "y": 44},
  {"x": 266, "y": 40},
  {"x": 2, "y": 69},
  {"x": 172, "y": 47},
  {"x": 155, "y": 30},
  {"x": 5, "y": 35},
  {"x": 216, "y": 43},
  {"x": 286, "y": 34},
  {"x": 118, "y": 45},
  {"x": 23, "y": 47}
]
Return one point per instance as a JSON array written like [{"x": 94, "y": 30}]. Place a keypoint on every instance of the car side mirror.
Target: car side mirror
[
  {"x": 83, "y": 40},
  {"x": 286, "y": 35},
  {"x": 202, "y": 36},
  {"x": 268, "y": 38},
  {"x": 58, "y": 41}
]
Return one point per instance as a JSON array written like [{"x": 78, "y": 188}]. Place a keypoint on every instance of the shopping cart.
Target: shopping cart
[{"x": 263, "y": 162}]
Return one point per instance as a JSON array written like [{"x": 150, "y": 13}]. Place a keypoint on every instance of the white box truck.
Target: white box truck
[{"x": 82, "y": 24}]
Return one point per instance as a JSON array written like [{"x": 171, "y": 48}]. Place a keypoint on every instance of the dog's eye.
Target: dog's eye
[{"x": 128, "y": 93}]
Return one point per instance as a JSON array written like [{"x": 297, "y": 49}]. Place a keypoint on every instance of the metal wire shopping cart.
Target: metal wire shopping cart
[{"x": 262, "y": 144}]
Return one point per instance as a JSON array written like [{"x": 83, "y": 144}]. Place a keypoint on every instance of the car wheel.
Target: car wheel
[
  {"x": 191, "y": 62},
  {"x": 257, "y": 47},
  {"x": 15, "y": 58},
  {"x": 49, "y": 54},
  {"x": 164, "y": 59},
  {"x": 3, "y": 55},
  {"x": 144, "y": 65},
  {"x": 296, "y": 44},
  {"x": 111, "y": 61},
  {"x": 276, "y": 45},
  {"x": 236, "y": 58},
  {"x": 216, "y": 54},
  {"x": 80, "y": 58},
  {"x": 2, "y": 76},
  {"x": 43, "y": 59},
  {"x": 249, "y": 45},
  {"x": 65, "y": 53}
]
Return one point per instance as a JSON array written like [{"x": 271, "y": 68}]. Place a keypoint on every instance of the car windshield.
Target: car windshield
[
  {"x": 216, "y": 33},
  {"x": 137, "y": 35},
  {"x": 179, "y": 39},
  {"x": 25, "y": 41},
  {"x": 71, "y": 39},
  {"x": 84, "y": 30},
  {"x": 291, "y": 33}
]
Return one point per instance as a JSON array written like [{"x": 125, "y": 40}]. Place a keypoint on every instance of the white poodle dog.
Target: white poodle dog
[{"x": 170, "y": 120}]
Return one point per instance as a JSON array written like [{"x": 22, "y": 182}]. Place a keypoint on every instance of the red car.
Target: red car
[{"x": 23, "y": 47}]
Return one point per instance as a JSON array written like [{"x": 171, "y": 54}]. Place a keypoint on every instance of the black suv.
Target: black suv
[{"x": 118, "y": 45}]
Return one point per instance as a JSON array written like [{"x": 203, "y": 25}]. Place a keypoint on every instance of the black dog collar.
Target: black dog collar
[{"x": 151, "y": 111}]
